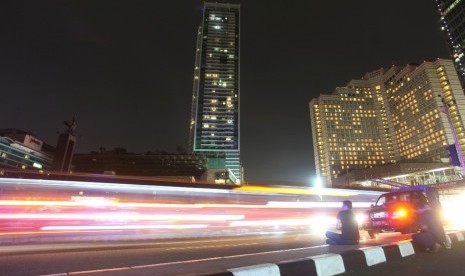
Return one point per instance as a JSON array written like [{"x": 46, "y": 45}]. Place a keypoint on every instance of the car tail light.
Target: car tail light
[{"x": 399, "y": 214}]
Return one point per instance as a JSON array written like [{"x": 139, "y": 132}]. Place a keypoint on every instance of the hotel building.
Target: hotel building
[
  {"x": 215, "y": 125},
  {"x": 396, "y": 115}
]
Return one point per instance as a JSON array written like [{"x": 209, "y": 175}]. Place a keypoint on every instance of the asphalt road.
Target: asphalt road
[
  {"x": 176, "y": 257},
  {"x": 450, "y": 262}
]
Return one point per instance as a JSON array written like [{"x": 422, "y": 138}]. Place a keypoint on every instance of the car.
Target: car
[{"x": 396, "y": 211}]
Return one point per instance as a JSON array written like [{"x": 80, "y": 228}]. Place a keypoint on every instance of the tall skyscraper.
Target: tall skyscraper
[
  {"x": 452, "y": 14},
  {"x": 402, "y": 114},
  {"x": 215, "y": 116}
]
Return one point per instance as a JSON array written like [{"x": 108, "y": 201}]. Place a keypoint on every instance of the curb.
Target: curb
[{"x": 332, "y": 264}]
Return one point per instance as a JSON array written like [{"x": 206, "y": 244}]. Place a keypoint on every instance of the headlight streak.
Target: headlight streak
[
  {"x": 108, "y": 203},
  {"x": 93, "y": 204},
  {"x": 453, "y": 211},
  {"x": 305, "y": 191},
  {"x": 315, "y": 204},
  {"x": 321, "y": 223},
  {"x": 287, "y": 222},
  {"x": 121, "y": 227},
  {"x": 238, "y": 190},
  {"x": 77, "y": 208},
  {"x": 107, "y": 186},
  {"x": 121, "y": 216},
  {"x": 361, "y": 217}
]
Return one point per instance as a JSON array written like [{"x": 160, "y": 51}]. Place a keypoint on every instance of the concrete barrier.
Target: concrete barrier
[{"x": 332, "y": 264}]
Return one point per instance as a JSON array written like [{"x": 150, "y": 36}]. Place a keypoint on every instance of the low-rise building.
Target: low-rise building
[
  {"x": 119, "y": 162},
  {"x": 23, "y": 150}
]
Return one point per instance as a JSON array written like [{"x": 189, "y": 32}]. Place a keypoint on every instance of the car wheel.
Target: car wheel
[{"x": 410, "y": 229}]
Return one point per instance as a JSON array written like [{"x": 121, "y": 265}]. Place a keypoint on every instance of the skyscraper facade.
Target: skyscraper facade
[
  {"x": 215, "y": 116},
  {"x": 452, "y": 14},
  {"x": 402, "y": 114}
]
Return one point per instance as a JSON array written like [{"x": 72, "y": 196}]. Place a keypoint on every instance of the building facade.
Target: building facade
[
  {"x": 215, "y": 115},
  {"x": 24, "y": 151},
  {"x": 133, "y": 164},
  {"x": 452, "y": 14},
  {"x": 403, "y": 114}
]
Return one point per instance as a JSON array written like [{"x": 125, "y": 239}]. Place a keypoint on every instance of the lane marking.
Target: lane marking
[
  {"x": 57, "y": 274},
  {"x": 211, "y": 246},
  {"x": 99, "y": 270},
  {"x": 174, "y": 263}
]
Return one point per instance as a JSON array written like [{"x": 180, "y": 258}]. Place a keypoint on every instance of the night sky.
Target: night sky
[{"x": 125, "y": 70}]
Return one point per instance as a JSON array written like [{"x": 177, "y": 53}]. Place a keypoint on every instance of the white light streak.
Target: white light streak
[
  {"x": 120, "y": 216},
  {"x": 120, "y": 227},
  {"x": 315, "y": 204}
]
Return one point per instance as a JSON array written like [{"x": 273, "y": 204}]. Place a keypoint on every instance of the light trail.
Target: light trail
[
  {"x": 121, "y": 216},
  {"x": 93, "y": 204},
  {"x": 108, "y": 203},
  {"x": 93, "y": 210},
  {"x": 315, "y": 204},
  {"x": 122, "y": 227},
  {"x": 107, "y": 186},
  {"x": 253, "y": 189},
  {"x": 288, "y": 222}
]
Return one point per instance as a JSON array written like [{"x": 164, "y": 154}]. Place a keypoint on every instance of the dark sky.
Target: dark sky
[{"x": 125, "y": 69}]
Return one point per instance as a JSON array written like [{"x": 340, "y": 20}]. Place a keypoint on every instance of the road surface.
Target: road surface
[
  {"x": 445, "y": 262},
  {"x": 176, "y": 257}
]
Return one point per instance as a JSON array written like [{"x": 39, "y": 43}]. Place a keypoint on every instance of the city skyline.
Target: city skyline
[{"x": 125, "y": 71}]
